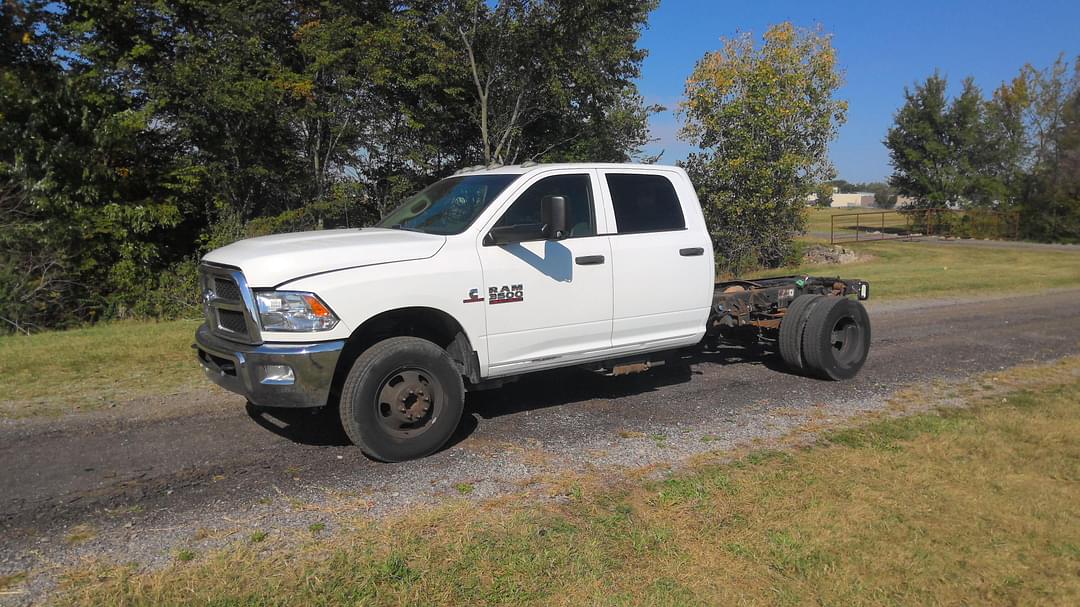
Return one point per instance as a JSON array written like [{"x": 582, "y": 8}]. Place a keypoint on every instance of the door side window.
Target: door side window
[
  {"x": 644, "y": 203},
  {"x": 580, "y": 218}
]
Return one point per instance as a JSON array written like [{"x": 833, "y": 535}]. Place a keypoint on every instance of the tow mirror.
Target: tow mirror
[
  {"x": 552, "y": 225},
  {"x": 553, "y": 216}
]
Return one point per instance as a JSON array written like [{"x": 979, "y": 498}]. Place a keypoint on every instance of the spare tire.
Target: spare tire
[
  {"x": 836, "y": 339},
  {"x": 791, "y": 330}
]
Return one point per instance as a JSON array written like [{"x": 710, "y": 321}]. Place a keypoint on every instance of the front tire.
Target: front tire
[{"x": 402, "y": 400}]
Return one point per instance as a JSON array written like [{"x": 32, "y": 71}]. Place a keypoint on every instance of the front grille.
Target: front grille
[
  {"x": 227, "y": 304},
  {"x": 226, "y": 289},
  {"x": 232, "y": 321}
]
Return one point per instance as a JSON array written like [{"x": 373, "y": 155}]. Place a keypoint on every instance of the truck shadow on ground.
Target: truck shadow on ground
[
  {"x": 533, "y": 392},
  {"x": 315, "y": 427},
  {"x": 568, "y": 386}
]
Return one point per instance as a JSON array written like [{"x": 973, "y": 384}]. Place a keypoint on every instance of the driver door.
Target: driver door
[{"x": 549, "y": 301}]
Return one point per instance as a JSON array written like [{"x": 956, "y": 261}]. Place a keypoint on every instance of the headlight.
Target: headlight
[{"x": 293, "y": 311}]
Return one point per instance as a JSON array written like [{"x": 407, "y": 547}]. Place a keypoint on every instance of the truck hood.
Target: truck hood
[{"x": 269, "y": 261}]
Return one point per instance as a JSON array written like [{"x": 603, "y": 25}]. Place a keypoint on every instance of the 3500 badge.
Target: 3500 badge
[{"x": 506, "y": 294}]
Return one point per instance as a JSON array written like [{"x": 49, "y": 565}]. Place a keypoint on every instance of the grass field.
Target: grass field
[
  {"x": 56, "y": 372},
  {"x": 819, "y": 220},
  {"x": 900, "y": 270},
  {"x": 957, "y": 506}
]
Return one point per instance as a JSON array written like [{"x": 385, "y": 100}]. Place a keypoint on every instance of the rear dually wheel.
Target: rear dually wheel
[{"x": 836, "y": 340}]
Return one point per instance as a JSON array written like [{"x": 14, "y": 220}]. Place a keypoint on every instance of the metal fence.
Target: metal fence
[{"x": 909, "y": 224}]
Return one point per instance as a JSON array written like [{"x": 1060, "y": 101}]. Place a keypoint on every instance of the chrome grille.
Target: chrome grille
[
  {"x": 226, "y": 289},
  {"x": 232, "y": 321},
  {"x": 227, "y": 304}
]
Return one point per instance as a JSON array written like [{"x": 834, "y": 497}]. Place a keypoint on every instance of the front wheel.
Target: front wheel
[{"x": 402, "y": 399}]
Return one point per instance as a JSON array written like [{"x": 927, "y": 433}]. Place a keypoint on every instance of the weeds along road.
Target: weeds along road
[{"x": 145, "y": 485}]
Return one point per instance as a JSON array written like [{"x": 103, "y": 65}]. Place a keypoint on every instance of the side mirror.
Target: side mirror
[{"x": 553, "y": 216}]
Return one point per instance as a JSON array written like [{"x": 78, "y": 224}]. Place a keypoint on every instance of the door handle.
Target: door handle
[
  {"x": 692, "y": 252},
  {"x": 589, "y": 260}
]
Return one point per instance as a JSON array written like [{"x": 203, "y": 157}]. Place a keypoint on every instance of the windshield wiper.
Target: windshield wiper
[{"x": 401, "y": 226}]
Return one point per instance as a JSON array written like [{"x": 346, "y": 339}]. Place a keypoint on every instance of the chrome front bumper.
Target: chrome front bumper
[{"x": 243, "y": 369}]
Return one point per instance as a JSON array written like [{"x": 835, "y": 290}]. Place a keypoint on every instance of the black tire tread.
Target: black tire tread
[
  {"x": 349, "y": 406},
  {"x": 816, "y": 349},
  {"x": 792, "y": 328}
]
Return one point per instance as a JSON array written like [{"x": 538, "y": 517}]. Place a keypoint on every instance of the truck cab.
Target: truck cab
[{"x": 484, "y": 275}]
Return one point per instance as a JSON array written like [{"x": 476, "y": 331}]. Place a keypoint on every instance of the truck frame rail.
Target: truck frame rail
[{"x": 763, "y": 302}]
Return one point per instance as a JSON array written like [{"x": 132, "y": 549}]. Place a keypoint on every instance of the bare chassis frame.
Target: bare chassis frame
[{"x": 762, "y": 303}]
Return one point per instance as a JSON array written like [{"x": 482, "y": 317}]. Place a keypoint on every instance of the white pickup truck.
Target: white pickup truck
[{"x": 489, "y": 274}]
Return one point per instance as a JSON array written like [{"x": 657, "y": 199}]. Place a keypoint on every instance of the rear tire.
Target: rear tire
[
  {"x": 836, "y": 340},
  {"x": 402, "y": 399},
  {"x": 791, "y": 331}
]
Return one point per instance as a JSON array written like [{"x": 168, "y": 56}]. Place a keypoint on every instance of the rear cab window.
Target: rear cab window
[{"x": 644, "y": 203}]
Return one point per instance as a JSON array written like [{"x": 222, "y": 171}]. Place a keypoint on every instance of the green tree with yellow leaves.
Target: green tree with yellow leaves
[{"x": 763, "y": 117}]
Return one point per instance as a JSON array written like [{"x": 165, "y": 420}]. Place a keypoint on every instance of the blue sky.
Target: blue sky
[{"x": 882, "y": 46}]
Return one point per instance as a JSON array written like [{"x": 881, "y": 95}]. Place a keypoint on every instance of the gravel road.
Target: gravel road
[{"x": 145, "y": 486}]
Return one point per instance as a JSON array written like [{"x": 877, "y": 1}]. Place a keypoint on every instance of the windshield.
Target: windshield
[{"x": 448, "y": 206}]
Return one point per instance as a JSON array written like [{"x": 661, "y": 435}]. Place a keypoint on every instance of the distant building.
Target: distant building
[{"x": 852, "y": 200}]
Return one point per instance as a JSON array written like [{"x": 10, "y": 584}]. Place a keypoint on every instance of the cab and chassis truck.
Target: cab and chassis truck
[{"x": 489, "y": 274}]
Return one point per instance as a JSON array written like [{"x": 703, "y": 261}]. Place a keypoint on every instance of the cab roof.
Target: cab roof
[{"x": 526, "y": 167}]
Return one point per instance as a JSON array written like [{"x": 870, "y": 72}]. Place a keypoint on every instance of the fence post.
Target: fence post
[{"x": 857, "y": 217}]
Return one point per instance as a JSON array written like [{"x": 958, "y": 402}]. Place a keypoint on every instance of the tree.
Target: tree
[
  {"x": 1050, "y": 206},
  {"x": 919, "y": 146},
  {"x": 965, "y": 152},
  {"x": 140, "y": 134},
  {"x": 764, "y": 117},
  {"x": 1016, "y": 150},
  {"x": 555, "y": 79},
  {"x": 824, "y": 193}
]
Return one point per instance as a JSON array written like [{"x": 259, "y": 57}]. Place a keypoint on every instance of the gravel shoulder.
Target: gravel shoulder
[{"x": 139, "y": 489}]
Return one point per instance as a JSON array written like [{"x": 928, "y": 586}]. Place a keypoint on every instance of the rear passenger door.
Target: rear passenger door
[{"x": 662, "y": 263}]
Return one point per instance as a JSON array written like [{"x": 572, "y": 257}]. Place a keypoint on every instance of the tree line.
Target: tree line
[
  {"x": 1017, "y": 149},
  {"x": 135, "y": 136}
]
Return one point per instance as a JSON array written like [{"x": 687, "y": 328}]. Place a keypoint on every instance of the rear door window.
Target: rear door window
[{"x": 644, "y": 203}]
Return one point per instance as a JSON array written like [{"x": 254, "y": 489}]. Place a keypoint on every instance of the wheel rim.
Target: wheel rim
[
  {"x": 846, "y": 340},
  {"x": 408, "y": 402}
]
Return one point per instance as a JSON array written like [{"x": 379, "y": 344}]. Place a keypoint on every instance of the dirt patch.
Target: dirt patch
[{"x": 818, "y": 254}]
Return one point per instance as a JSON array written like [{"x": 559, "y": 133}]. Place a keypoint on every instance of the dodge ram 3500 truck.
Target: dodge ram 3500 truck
[{"x": 489, "y": 274}]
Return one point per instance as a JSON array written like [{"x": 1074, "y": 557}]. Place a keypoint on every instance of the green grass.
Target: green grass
[
  {"x": 968, "y": 506},
  {"x": 91, "y": 368},
  {"x": 912, "y": 270},
  {"x": 819, "y": 220}
]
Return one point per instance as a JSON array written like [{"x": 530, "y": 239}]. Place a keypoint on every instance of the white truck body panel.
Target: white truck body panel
[
  {"x": 268, "y": 261},
  {"x": 566, "y": 308},
  {"x": 643, "y": 297},
  {"x": 660, "y": 296}
]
